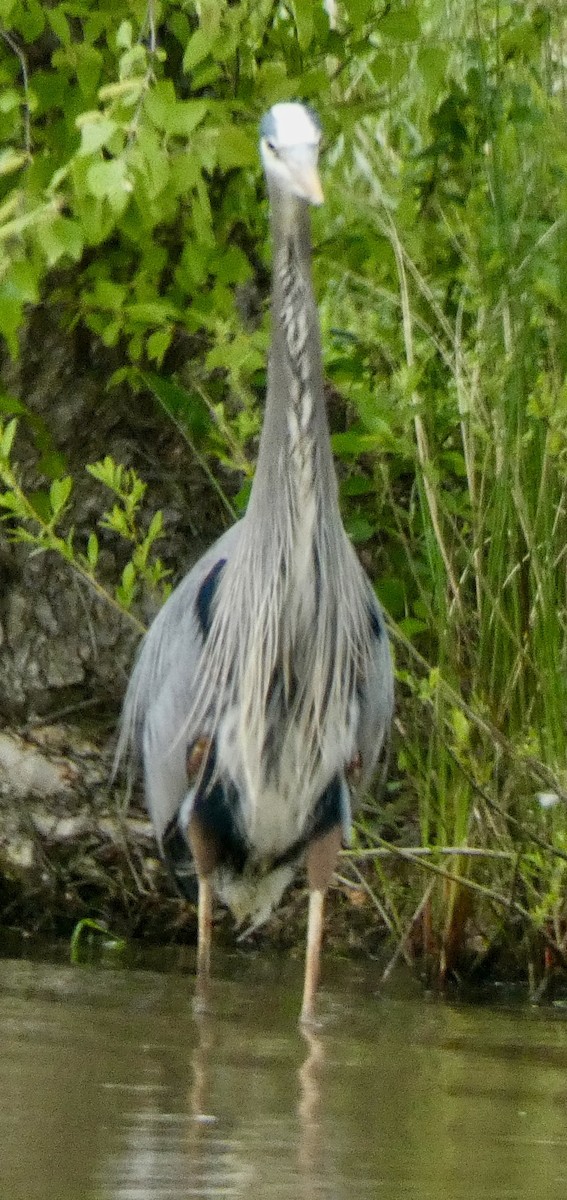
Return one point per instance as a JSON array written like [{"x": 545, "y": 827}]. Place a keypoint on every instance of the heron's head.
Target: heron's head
[{"x": 289, "y": 144}]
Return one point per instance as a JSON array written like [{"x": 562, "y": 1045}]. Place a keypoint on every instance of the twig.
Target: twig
[
  {"x": 58, "y": 714},
  {"x": 400, "y": 947},
  {"x": 387, "y": 851},
  {"x": 379, "y": 906},
  {"x": 471, "y": 884},
  {"x": 151, "y": 20},
  {"x": 24, "y": 69},
  {"x": 182, "y": 429}
]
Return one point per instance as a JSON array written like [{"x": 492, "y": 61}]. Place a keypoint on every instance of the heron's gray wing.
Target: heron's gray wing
[
  {"x": 376, "y": 697},
  {"x": 163, "y": 684}
]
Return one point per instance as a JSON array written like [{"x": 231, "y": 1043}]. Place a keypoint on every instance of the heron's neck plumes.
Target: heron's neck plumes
[
  {"x": 290, "y": 628},
  {"x": 295, "y": 449}
]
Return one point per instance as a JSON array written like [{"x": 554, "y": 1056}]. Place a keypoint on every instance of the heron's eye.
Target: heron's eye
[{"x": 272, "y": 147}]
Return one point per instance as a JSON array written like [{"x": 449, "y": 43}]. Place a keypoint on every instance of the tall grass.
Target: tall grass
[{"x": 465, "y": 305}]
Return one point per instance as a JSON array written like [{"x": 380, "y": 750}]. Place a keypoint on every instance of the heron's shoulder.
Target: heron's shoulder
[
  {"x": 170, "y": 649},
  {"x": 220, "y": 551},
  {"x": 188, "y": 601}
]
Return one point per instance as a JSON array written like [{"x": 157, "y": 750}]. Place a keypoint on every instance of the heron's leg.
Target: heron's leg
[
  {"x": 321, "y": 861},
  {"x": 205, "y": 926},
  {"x": 312, "y": 954},
  {"x": 205, "y": 853}
]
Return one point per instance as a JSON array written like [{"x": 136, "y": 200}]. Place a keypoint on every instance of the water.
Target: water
[{"x": 110, "y": 1089}]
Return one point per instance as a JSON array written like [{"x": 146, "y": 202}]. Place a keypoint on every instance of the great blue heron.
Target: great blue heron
[{"x": 264, "y": 686}]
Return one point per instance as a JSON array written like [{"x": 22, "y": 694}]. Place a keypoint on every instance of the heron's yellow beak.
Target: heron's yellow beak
[{"x": 308, "y": 184}]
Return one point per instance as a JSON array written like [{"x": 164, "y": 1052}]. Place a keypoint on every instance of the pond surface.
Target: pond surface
[{"x": 111, "y": 1089}]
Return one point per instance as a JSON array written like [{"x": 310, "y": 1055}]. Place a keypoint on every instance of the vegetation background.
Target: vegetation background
[{"x": 132, "y": 206}]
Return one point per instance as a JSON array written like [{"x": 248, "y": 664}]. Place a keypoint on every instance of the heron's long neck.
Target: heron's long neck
[{"x": 295, "y": 448}]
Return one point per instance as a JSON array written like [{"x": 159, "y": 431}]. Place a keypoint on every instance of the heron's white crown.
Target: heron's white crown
[
  {"x": 291, "y": 124},
  {"x": 289, "y": 145}
]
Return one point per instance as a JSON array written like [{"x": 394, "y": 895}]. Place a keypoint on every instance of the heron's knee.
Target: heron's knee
[
  {"x": 204, "y": 847},
  {"x": 321, "y": 858}
]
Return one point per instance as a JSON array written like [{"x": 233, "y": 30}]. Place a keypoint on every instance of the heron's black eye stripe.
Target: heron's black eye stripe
[
  {"x": 272, "y": 147},
  {"x": 205, "y": 596}
]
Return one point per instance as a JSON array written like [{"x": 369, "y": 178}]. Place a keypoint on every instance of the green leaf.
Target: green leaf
[
  {"x": 108, "y": 294},
  {"x": 32, "y": 19},
  {"x": 412, "y": 627},
  {"x": 91, "y": 941},
  {"x": 124, "y": 36},
  {"x": 110, "y": 180},
  {"x": 232, "y": 266},
  {"x": 156, "y": 527},
  {"x": 89, "y": 65},
  {"x": 52, "y": 464},
  {"x": 186, "y": 407},
  {"x": 11, "y": 317},
  {"x": 7, "y": 435},
  {"x": 154, "y": 312},
  {"x": 96, "y": 131},
  {"x": 41, "y": 504},
  {"x": 6, "y": 10},
  {"x": 107, "y": 472},
  {"x": 158, "y": 343},
  {"x": 357, "y": 11},
  {"x": 11, "y": 406},
  {"x": 12, "y": 160},
  {"x": 358, "y": 485},
  {"x": 9, "y": 100},
  {"x": 126, "y": 90},
  {"x": 400, "y": 24},
  {"x": 65, "y": 238},
  {"x": 22, "y": 279},
  {"x": 127, "y": 589},
  {"x": 59, "y": 493},
  {"x": 235, "y": 148},
  {"x": 14, "y": 504},
  {"x": 358, "y": 527},
  {"x": 171, "y": 115},
  {"x": 432, "y": 62},
  {"x": 303, "y": 12},
  {"x": 59, "y": 24},
  {"x": 92, "y": 551},
  {"x": 392, "y": 594},
  {"x": 117, "y": 521},
  {"x": 352, "y": 443},
  {"x": 198, "y": 47}
]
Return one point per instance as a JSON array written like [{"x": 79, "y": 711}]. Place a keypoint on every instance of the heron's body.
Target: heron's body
[{"x": 267, "y": 673}]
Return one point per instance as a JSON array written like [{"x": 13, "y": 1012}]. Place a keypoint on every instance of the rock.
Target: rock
[{"x": 25, "y": 771}]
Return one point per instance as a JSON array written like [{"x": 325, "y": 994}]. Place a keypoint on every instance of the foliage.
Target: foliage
[
  {"x": 41, "y": 520},
  {"x": 129, "y": 193},
  {"x": 91, "y": 942}
]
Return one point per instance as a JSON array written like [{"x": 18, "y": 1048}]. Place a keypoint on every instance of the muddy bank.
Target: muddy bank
[{"x": 73, "y": 847}]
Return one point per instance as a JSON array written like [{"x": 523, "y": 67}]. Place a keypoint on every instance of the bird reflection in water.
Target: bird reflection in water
[
  {"x": 276, "y": 1149},
  {"x": 310, "y": 1145}
]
